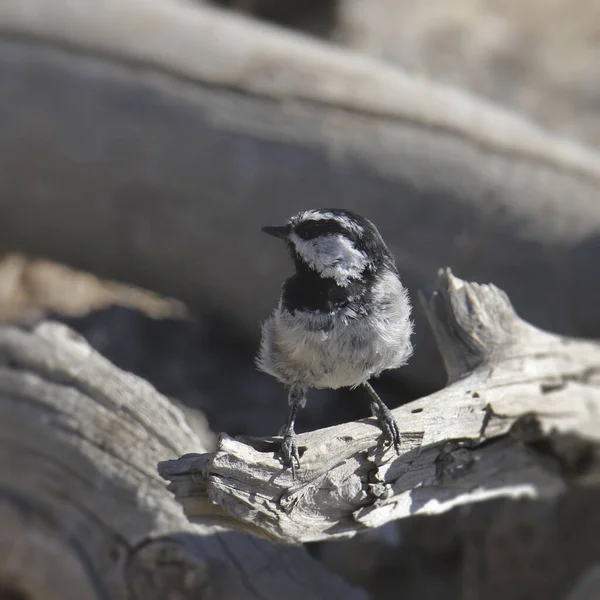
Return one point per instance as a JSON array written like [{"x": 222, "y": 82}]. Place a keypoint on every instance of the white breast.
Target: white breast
[{"x": 354, "y": 349}]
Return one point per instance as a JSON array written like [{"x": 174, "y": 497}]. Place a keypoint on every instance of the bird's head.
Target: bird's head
[{"x": 335, "y": 243}]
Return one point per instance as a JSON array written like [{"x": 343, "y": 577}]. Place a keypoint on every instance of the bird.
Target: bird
[{"x": 343, "y": 317}]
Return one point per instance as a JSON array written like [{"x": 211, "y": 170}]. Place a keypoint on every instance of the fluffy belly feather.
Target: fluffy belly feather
[{"x": 346, "y": 354}]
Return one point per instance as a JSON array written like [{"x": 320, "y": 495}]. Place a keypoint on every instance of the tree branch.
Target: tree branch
[{"x": 520, "y": 415}]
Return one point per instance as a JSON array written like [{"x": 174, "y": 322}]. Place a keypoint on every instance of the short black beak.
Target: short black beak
[{"x": 278, "y": 231}]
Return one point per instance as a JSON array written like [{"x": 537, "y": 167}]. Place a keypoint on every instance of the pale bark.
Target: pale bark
[
  {"x": 83, "y": 512},
  {"x": 520, "y": 418}
]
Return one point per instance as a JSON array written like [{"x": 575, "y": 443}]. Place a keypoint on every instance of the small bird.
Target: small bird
[{"x": 342, "y": 318}]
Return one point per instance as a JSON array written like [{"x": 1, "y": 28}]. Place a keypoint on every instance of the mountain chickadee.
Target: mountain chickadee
[{"x": 343, "y": 318}]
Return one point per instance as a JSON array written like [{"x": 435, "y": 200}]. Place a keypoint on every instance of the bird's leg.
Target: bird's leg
[
  {"x": 384, "y": 416},
  {"x": 289, "y": 448}
]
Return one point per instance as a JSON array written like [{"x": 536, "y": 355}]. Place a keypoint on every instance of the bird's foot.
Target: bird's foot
[
  {"x": 290, "y": 455},
  {"x": 388, "y": 424}
]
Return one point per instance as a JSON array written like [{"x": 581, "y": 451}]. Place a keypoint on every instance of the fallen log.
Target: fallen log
[
  {"x": 84, "y": 514},
  {"x": 519, "y": 419},
  {"x": 148, "y": 141}
]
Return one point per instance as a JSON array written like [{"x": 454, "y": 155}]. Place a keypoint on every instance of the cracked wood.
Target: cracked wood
[
  {"x": 84, "y": 514},
  {"x": 511, "y": 387}
]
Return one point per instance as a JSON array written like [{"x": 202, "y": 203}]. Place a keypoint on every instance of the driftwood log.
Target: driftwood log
[
  {"x": 147, "y": 141},
  {"x": 519, "y": 421},
  {"x": 83, "y": 512}
]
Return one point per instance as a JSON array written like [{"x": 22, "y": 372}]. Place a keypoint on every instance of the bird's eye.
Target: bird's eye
[
  {"x": 306, "y": 230},
  {"x": 309, "y": 230}
]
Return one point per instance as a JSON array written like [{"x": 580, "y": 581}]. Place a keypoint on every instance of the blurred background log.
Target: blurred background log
[
  {"x": 83, "y": 512},
  {"x": 155, "y": 158},
  {"x": 539, "y": 58}
]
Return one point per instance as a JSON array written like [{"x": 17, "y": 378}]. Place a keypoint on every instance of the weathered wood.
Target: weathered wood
[
  {"x": 83, "y": 512},
  {"x": 520, "y": 419},
  {"x": 170, "y": 133}
]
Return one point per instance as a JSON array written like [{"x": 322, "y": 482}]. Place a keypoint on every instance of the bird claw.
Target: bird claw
[
  {"x": 388, "y": 424},
  {"x": 290, "y": 455}
]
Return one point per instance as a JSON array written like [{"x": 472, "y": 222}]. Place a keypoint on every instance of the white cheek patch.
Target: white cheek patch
[{"x": 333, "y": 256}]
